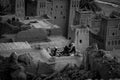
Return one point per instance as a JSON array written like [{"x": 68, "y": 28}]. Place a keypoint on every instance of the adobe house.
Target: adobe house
[
  {"x": 81, "y": 18},
  {"x": 18, "y": 7},
  {"x": 108, "y": 38},
  {"x": 30, "y": 7},
  {"x": 110, "y": 33},
  {"x": 81, "y": 38},
  {"x": 57, "y": 9}
]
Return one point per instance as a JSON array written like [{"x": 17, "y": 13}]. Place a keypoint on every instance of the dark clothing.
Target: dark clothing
[
  {"x": 73, "y": 50},
  {"x": 54, "y": 52},
  {"x": 66, "y": 50},
  {"x": 49, "y": 32}
]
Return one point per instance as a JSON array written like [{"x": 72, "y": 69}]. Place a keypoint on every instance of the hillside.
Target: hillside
[{"x": 109, "y": 5}]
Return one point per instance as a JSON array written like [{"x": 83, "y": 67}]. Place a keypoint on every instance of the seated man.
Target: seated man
[
  {"x": 72, "y": 48},
  {"x": 55, "y": 51},
  {"x": 66, "y": 51}
]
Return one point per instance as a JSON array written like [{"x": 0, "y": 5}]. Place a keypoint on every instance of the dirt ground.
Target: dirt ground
[{"x": 58, "y": 41}]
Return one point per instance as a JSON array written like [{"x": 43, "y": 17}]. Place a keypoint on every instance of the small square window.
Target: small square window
[
  {"x": 113, "y": 33},
  {"x": 61, "y": 13},
  {"x": 63, "y": 17},
  {"x": 115, "y": 42},
  {"x": 119, "y": 42},
  {"x": 109, "y": 43},
  {"x": 80, "y": 41},
  {"x": 74, "y": 5},
  {"x": 112, "y": 42},
  {"x": 56, "y": 6},
  {"x": 51, "y": 13},
  {"x": 51, "y": 8}
]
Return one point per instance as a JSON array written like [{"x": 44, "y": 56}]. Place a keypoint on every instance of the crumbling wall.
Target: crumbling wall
[{"x": 104, "y": 65}]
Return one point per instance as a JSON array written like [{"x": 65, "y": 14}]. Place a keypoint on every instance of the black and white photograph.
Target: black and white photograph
[{"x": 59, "y": 39}]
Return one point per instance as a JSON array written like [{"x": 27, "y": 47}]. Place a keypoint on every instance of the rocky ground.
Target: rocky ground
[{"x": 94, "y": 64}]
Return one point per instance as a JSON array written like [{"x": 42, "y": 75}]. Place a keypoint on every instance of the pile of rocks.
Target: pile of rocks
[{"x": 22, "y": 67}]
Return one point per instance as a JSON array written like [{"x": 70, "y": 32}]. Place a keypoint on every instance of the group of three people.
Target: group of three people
[{"x": 67, "y": 50}]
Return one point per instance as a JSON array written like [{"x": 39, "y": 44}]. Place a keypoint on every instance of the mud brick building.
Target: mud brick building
[
  {"x": 81, "y": 38},
  {"x": 18, "y": 7},
  {"x": 110, "y": 33}
]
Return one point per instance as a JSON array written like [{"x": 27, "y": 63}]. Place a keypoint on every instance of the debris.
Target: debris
[{"x": 98, "y": 64}]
